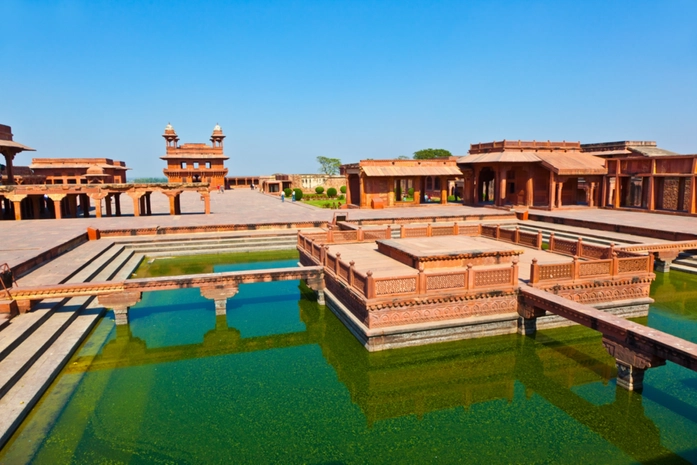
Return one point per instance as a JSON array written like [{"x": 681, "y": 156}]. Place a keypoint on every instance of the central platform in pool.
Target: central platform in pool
[{"x": 448, "y": 251}]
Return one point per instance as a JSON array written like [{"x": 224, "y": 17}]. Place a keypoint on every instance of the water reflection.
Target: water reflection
[{"x": 128, "y": 397}]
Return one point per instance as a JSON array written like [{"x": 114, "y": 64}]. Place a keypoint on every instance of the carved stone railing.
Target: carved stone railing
[{"x": 592, "y": 269}]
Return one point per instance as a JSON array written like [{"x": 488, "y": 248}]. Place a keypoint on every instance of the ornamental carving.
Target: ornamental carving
[
  {"x": 448, "y": 281},
  {"x": 487, "y": 278},
  {"x": 395, "y": 286}
]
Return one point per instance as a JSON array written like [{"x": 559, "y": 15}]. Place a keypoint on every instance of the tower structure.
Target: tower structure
[{"x": 195, "y": 162}]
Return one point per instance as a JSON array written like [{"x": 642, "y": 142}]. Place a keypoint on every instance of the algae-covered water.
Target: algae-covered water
[{"x": 281, "y": 380}]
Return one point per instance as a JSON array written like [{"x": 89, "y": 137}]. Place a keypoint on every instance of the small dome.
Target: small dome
[
  {"x": 169, "y": 129},
  {"x": 217, "y": 128},
  {"x": 94, "y": 169}
]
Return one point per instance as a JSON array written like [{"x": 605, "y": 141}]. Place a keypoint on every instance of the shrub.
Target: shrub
[
  {"x": 451, "y": 198},
  {"x": 319, "y": 189},
  {"x": 343, "y": 189},
  {"x": 331, "y": 192},
  {"x": 341, "y": 197},
  {"x": 411, "y": 192},
  {"x": 298, "y": 194},
  {"x": 288, "y": 191}
]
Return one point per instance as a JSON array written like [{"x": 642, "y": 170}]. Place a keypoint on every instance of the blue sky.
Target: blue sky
[{"x": 289, "y": 81}]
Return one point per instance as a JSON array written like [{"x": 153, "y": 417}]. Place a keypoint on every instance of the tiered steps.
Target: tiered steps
[
  {"x": 35, "y": 345},
  {"x": 686, "y": 262}
]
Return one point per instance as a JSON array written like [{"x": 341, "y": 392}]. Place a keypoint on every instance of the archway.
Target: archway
[{"x": 486, "y": 185}]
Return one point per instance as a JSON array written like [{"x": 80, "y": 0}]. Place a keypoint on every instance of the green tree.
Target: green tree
[
  {"x": 427, "y": 154},
  {"x": 331, "y": 192},
  {"x": 319, "y": 190},
  {"x": 328, "y": 165},
  {"x": 402, "y": 157}
]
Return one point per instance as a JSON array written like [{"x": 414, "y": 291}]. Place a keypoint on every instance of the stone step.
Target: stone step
[
  {"x": 128, "y": 267},
  {"x": 96, "y": 265},
  {"x": 21, "y": 358},
  {"x": 26, "y": 392},
  {"x": 205, "y": 245},
  {"x": 64, "y": 267},
  {"x": 204, "y": 237},
  {"x": 570, "y": 236},
  {"x": 21, "y": 326},
  {"x": 684, "y": 268},
  {"x": 217, "y": 251}
]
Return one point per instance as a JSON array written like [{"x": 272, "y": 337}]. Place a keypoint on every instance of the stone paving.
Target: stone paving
[{"x": 25, "y": 239}]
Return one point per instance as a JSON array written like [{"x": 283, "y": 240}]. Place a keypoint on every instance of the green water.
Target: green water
[{"x": 281, "y": 380}]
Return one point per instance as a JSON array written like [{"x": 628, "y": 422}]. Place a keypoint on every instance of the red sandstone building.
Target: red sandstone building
[
  {"x": 79, "y": 170},
  {"x": 388, "y": 183},
  {"x": 191, "y": 163},
  {"x": 534, "y": 174}
]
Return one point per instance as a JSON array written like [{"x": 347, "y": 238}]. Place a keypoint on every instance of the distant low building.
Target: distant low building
[
  {"x": 9, "y": 149},
  {"x": 79, "y": 170},
  {"x": 308, "y": 182},
  {"x": 195, "y": 162}
]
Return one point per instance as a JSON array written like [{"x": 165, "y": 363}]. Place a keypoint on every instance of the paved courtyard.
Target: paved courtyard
[{"x": 25, "y": 239}]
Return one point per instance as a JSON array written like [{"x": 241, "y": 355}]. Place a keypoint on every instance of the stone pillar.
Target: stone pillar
[
  {"x": 591, "y": 197},
  {"x": 107, "y": 205},
  {"x": 692, "y": 200},
  {"x": 443, "y": 190},
  {"x": 560, "y": 186},
  {"x": 85, "y": 202},
  {"x": 631, "y": 364},
  {"x": 117, "y": 203},
  {"x": 529, "y": 190},
  {"x": 98, "y": 203},
  {"x": 148, "y": 207},
  {"x": 57, "y": 198},
  {"x": 527, "y": 321},
  {"x": 361, "y": 179},
  {"x": 663, "y": 260},
  {"x": 220, "y": 294},
  {"x": 120, "y": 303},
  {"x": 137, "y": 202},
  {"x": 316, "y": 283},
  {"x": 206, "y": 197},
  {"x": 72, "y": 206},
  {"x": 651, "y": 199}
]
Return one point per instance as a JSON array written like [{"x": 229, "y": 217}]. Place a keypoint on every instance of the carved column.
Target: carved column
[
  {"x": 529, "y": 192},
  {"x": 137, "y": 204},
  {"x": 16, "y": 200},
  {"x": 98, "y": 203},
  {"x": 57, "y": 198},
  {"x": 120, "y": 303},
  {"x": 220, "y": 294},
  {"x": 591, "y": 197},
  {"x": 501, "y": 193},
  {"x": 560, "y": 187},
  {"x": 631, "y": 364}
]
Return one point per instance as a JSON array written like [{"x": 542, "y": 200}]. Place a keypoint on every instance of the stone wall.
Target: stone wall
[{"x": 308, "y": 182}]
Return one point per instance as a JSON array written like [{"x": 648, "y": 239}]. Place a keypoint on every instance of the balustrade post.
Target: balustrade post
[
  {"x": 615, "y": 264},
  {"x": 360, "y": 235},
  {"x": 534, "y": 272},
  {"x": 337, "y": 265},
  {"x": 539, "y": 240},
  {"x": 577, "y": 265},
  {"x": 421, "y": 283},
  {"x": 370, "y": 284},
  {"x": 498, "y": 232},
  {"x": 350, "y": 274},
  {"x": 551, "y": 242},
  {"x": 323, "y": 255},
  {"x": 611, "y": 251},
  {"x": 330, "y": 235},
  {"x": 579, "y": 247},
  {"x": 388, "y": 232},
  {"x": 402, "y": 231},
  {"x": 514, "y": 272},
  {"x": 517, "y": 235},
  {"x": 470, "y": 277},
  {"x": 429, "y": 231},
  {"x": 456, "y": 229}
]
